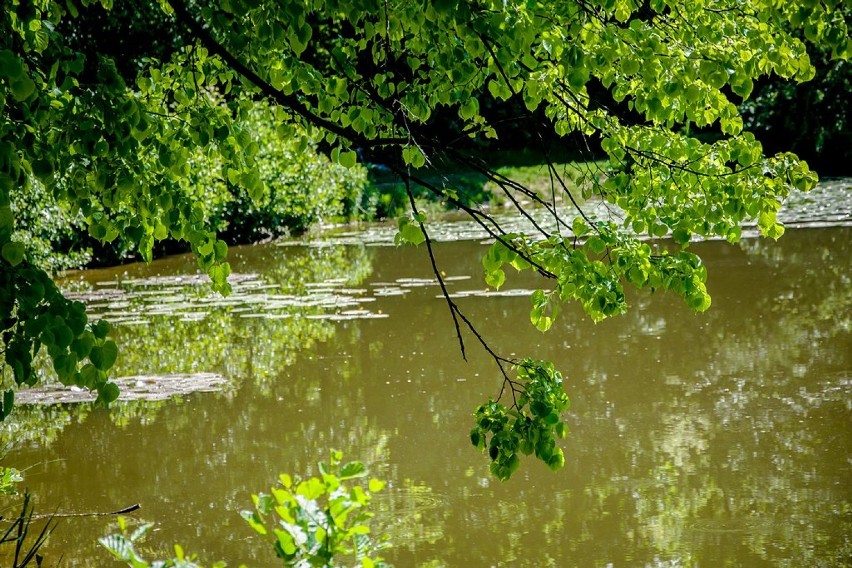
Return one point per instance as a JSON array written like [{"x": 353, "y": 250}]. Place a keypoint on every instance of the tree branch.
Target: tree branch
[{"x": 290, "y": 102}]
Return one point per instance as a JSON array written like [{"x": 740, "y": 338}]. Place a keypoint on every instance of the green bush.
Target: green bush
[
  {"x": 315, "y": 521},
  {"x": 301, "y": 187},
  {"x": 55, "y": 236}
]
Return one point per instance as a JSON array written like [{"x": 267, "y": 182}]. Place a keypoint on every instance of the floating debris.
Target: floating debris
[
  {"x": 416, "y": 282},
  {"x": 827, "y": 205},
  {"x": 390, "y": 292},
  {"x": 138, "y": 387},
  {"x": 509, "y": 293}
]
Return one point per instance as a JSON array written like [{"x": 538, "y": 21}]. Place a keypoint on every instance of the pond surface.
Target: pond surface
[{"x": 696, "y": 440}]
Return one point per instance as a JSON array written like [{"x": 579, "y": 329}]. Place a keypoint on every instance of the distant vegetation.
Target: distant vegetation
[{"x": 301, "y": 187}]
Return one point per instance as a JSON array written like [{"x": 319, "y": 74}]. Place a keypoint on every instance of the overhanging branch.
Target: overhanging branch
[{"x": 290, "y": 101}]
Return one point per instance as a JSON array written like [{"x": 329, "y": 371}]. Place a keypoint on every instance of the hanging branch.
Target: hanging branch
[
  {"x": 496, "y": 232},
  {"x": 290, "y": 102},
  {"x": 444, "y": 291},
  {"x": 454, "y": 308}
]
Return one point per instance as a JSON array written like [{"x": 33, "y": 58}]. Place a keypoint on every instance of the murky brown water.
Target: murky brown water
[{"x": 696, "y": 440}]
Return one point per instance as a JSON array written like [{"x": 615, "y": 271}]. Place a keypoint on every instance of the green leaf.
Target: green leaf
[
  {"x": 264, "y": 503},
  {"x": 578, "y": 77},
  {"x": 218, "y": 274},
  {"x": 348, "y": 159},
  {"x": 311, "y": 489},
  {"x": 556, "y": 461},
  {"x": 254, "y": 522},
  {"x": 596, "y": 244},
  {"x": 413, "y": 157},
  {"x": 7, "y": 218},
  {"x": 286, "y": 541},
  {"x": 352, "y": 470},
  {"x": 409, "y": 232},
  {"x": 13, "y": 253},
  {"x": 87, "y": 377},
  {"x": 630, "y": 66},
  {"x": 42, "y": 169},
  {"x": 103, "y": 356},
  {"x": 82, "y": 346},
  {"x": 108, "y": 393},
  {"x": 699, "y": 302},
  {"x": 469, "y": 109},
  {"x": 22, "y": 88},
  {"x": 495, "y": 278},
  {"x": 253, "y": 184},
  {"x": 101, "y": 328},
  {"x": 220, "y": 250},
  {"x": 681, "y": 236},
  {"x": 10, "y": 65}
]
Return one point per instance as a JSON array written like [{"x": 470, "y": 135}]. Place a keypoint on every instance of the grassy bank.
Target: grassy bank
[{"x": 386, "y": 196}]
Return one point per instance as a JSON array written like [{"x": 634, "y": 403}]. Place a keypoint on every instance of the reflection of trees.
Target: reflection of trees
[
  {"x": 215, "y": 338},
  {"x": 194, "y": 467},
  {"x": 694, "y": 439},
  {"x": 240, "y": 349},
  {"x": 754, "y": 403},
  {"x": 253, "y": 338},
  {"x": 39, "y": 425}
]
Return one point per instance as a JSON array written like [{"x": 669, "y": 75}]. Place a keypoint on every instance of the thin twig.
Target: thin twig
[
  {"x": 124, "y": 511},
  {"x": 444, "y": 291}
]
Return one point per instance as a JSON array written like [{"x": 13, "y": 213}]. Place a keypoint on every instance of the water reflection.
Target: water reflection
[{"x": 706, "y": 440}]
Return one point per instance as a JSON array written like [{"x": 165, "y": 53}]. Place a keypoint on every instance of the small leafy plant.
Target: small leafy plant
[
  {"x": 312, "y": 522},
  {"x": 9, "y": 479},
  {"x": 121, "y": 546}
]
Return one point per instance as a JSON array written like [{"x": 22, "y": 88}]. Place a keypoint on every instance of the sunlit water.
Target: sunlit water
[{"x": 696, "y": 440}]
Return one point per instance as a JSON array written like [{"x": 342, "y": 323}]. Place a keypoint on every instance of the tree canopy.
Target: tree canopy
[{"x": 115, "y": 131}]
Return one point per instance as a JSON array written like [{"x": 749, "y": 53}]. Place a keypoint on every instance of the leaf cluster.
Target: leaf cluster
[
  {"x": 593, "y": 271},
  {"x": 9, "y": 479},
  {"x": 530, "y": 426},
  {"x": 35, "y": 314},
  {"x": 315, "y": 521}
]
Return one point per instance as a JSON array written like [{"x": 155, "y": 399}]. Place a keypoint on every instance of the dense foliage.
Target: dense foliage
[
  {"x": 811, "y": 119},
  {"x": 300, "y": 188},
  {"x": 657, "y": 83}
]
